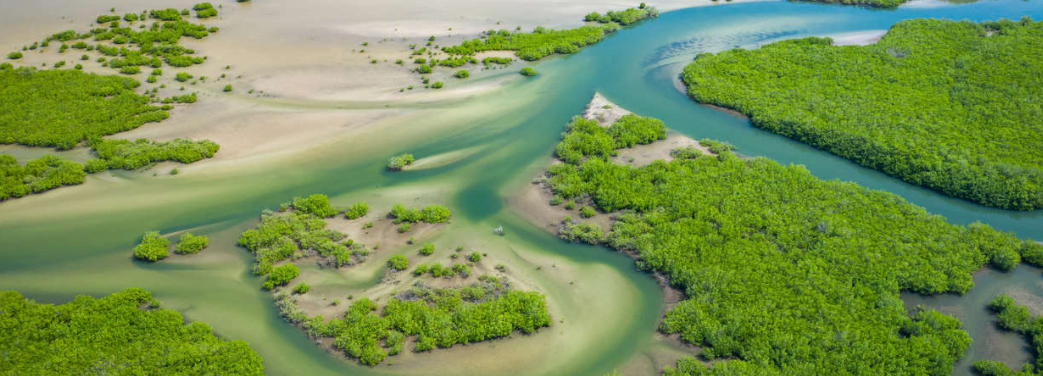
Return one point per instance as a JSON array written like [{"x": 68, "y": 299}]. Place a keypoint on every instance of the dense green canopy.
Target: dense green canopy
[
  {"x": 38, "y": 175},
  {"x": 61, "y": 108},
  {"x": 485, "y": 310},
  {"x": 785, "y": 274},
  {"x": 113, "y": 335},
  {"x": 952, "y": 106}
]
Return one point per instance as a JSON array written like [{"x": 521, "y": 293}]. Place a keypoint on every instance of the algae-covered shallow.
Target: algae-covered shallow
[{"x": 484, "y": 149}]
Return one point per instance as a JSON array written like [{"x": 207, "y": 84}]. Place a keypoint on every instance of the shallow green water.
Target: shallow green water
[{"x": 52, "y": 257}]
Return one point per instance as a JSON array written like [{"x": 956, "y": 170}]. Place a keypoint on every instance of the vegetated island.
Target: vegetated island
[
  {"x": 947, "y": 105},
  {"x": 125, "y": 333},
  {"x": 543, "y": 42},
  {"x": 63, "y": 108},
  {"x": 783, "y": 273},
  {"x": 866, "y": 3},
  {"x": 437, "y": 317}
]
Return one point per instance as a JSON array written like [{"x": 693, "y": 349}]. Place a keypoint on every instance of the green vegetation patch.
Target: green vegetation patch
[
  {"x": 61, "y": 108},
  {"x": 131, "y": 155},
  {"x": 38, "y": 175},
  {"x": 357, "y": 210},
  {"x": 485, "y": 310},
  {"x": 191, "y": 244},
  {"x": 298, "y": 233},
  {"x": 623, "y": 17},
  {"x": 543, "y": 42},
  {"x": 536, "y": 45},
  {"x": 784, "y": 273},
  {"x": 397, "y": 162},
  {"x": 433, "y": 214},
  {"x": 153, "y": 247},
  {"x": 952, "y": 106},
  {"x": 113, "y": 335}
]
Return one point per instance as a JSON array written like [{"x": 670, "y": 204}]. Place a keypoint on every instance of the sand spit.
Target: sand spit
[
  {"x": 858, "y": 38},
  {"x": 604, "y": 111},
  {"x": 443, "y": 159}
]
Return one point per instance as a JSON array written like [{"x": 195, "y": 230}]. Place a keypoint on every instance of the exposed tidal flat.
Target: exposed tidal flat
[{"x": 333, "y": 140}]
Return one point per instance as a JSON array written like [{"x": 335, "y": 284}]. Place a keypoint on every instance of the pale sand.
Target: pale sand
[
  {"x": 858, "y": 38},
  {"x": 604, "y": 111},
  {"x": 302, "y": 72},
  {"x": 443, "y": 159}
]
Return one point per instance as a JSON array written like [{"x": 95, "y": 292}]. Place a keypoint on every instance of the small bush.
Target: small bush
[
  {"x": 182, "y": 77},
  {"x": 397, "y": 162},
  {"x": 405, "y": 227},
  {"x": 463, "y": 73},
  {"x": 398, "y": 262},
  {"x": 301, "y": 288},
  {"x": 14, "y": 55},
  {"x": 153, "y": 247},
  {"x": 587, "y": 212},
  {"x": 282, "y": 275},
  {"x": 357, "y": 210},
  {"x": 528, "y": 71},
  {"x": 191, "y": 244},
  {"x": 427, "y": 249},
  {"x": 474, "y": 257},
  {"x": 437, "y": 85},
  {"x": 227, "y": 89}
]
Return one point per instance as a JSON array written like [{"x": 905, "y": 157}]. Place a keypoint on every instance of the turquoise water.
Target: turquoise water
[{"x": 54, "y": 258}]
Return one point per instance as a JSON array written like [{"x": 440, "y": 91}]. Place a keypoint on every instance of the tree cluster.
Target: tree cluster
[
  {"x": 38, "y": 175},
  {"x": 113, "y": 335},
  {"x": 131, "y": 155},
  {"x": 61, "y": 108},
  {"x": 432, "y": 214},
  {"x": 485, "y": 310},
  {"x": 784, "y": 273},
  {"x": 941, "y": 104}
]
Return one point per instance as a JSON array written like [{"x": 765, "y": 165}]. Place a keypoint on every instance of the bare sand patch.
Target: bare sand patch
[
  {"x": 858, "y": 38},
  {"x": 442, "y": 159},
  {"x": 640, "y": 155},
  {"x": 605, "y": 112}
]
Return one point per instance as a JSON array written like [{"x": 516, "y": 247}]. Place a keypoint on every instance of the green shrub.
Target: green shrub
[
  {"x": 405, "y": 227},
  {"x": 357, "y": 210},
  {"x": 586, "y": 212},
  {"x": 397, "y": 162},
  {"x": 191, "y": 244},
  {"x": 131, "y": 155},
  {"x": 316, "y": 204},
  {"x": 463, "y": 73},
  {"x": 281, "y": 275},
  {"x": 302, "y": 288},
  {"x": 398, "y": 262},
  {"x": 153, "y": 247},
  {"x": 427, "y": 249},
  {"x": 182, "y": 77},
  {"x": 528, "y": 71},
  {"x": 437, "y": 85},
  {"x": 462, "y": 270},
  {"x": 474, "y": 257},
  {"x": 38, "y": 175},
  {"x": 227, "y": 88}
]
